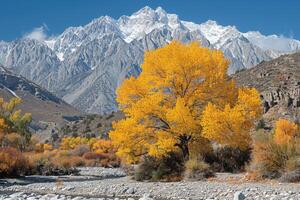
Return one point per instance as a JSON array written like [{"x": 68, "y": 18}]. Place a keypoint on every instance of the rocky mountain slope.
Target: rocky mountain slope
[
  {"x": 278, "y": 81},
  {"x": 84, "y": 65},
  {"x": 45, "y": 107}
]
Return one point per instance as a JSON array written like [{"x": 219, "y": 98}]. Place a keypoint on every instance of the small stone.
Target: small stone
[
  {"x": 78, "y": 198},
  {"x": 239, "y": 196},
  {"x": 146, "y": 197},
  {"x": 15, "y": 195},
  {"x": 130, "y": 191}
]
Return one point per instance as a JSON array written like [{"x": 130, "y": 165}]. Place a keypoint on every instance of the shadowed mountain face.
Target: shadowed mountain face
[
  {"x": 278, "y": 81},
  {"x": 84, "y": 65},
  {"x": 44, "y": 106}
]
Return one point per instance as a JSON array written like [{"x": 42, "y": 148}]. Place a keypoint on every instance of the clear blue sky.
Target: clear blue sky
[{"x": 18, "y": 17}]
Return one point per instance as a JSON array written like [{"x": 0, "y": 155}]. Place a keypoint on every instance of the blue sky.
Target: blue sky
[{"x": 18, "y": 17}]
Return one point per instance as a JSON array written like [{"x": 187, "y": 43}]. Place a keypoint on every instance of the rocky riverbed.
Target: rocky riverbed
[{"x": 113, "y": 184}]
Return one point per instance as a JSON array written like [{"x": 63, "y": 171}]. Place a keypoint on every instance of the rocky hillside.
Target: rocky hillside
[
  {"x": 45, "y": 107},
  {"x": 279, "y": 84},
  {"x": 84, "y": 65}
]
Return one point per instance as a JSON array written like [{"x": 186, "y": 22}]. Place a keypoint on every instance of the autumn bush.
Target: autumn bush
[
  {"x": 53, "y": 163},
  {"x": 277, "y": 154},
  {"x": 14, "y": 131},
  {"x": 80, "y": 150},
  {"x": 22, "y": 154},
  {"x": 12, "y": 163},
  {"x": 70, "y": 143},
  {"x": 102, "y": 159},
  {"x": 41, "y": 147}
]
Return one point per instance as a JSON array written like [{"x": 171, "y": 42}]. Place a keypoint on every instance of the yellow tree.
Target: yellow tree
[
  {"x": 231, "y": 125},
  {"x": 164, "y": 105},
  {"x": 12, "y": 121},
  {"x": 285, "y": 131}
]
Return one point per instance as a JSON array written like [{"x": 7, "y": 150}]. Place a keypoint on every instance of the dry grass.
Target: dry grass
[
  {"x": 272, "y": 160},
  {"x": 196, "y": 169}
]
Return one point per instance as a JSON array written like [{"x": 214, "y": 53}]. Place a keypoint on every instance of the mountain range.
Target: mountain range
[{"x": 84, "y": 65}]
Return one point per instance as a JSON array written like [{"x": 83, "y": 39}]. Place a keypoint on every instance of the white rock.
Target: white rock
[{"x": 130, "y": 191}]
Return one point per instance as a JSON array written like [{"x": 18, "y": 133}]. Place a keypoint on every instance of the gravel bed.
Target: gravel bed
[{"x": 120, "y": 187}]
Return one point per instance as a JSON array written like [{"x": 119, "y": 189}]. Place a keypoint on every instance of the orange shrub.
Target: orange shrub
[
  {"x": 68, "y": 162},
  {"x": 12, "y": 163},
  {"x": 47, "y": 147},
  {"x": 43, "y": 147},
  {"x": 103, "y": 159}
]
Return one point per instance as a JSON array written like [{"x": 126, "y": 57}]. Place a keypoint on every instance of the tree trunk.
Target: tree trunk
[{"x": 184, "y": 146}]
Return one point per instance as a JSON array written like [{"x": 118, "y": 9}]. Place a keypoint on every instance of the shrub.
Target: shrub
[
  {"x": 285, "y": 131},
  {"x": 94, "y": 156},
  {"x": 69, "y": 162},
  {"x": 228, "y": 159},
  {"x": 81, "y": 150},
  {"x": 103, "y": 146},
  {"x": 103, "y": 159},
  {"x": 12, "y": 163},
  {"x": 275, "y": 156},
  {"x": 261, "y": 125},
  {"x": 169, "y": 167},
  {"x": 270, "y": 158},
  {"x": 196, "y": 169},
  {"x": 290, "y": 177},
  {"x": 40, "y": 147},
  {"x": 47, "y": 147},
  {"x": 51, "y": 163},
  {"x": 14, "y": 140}
]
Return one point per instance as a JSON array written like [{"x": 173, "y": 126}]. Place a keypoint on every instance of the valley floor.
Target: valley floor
[{"x": 99, "y": 183}]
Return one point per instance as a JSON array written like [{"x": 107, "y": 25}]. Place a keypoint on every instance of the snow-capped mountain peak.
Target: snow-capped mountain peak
[
  {"x": 144, "y": 21},
  {"x": 273, "y": 42},
  {"x": 218, "y": 34},
  {"x": 84, "y": 65}
]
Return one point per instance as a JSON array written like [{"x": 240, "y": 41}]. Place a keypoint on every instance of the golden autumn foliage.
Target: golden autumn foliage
[
  {"x": 22, "y": 154},
  {"x": 40, "y": 147},
  {"x": 13, "y": 124},
  {"x": 276, "y": 154},
  {"x": 103, "y": 146},
  {"x": 68, "y": 143},
  {"x": 231, "y": 125},
  {"x": 285, "y": 131},
  {"x": 95, "y": 145},
  {"x": 164, "y": 105}
]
